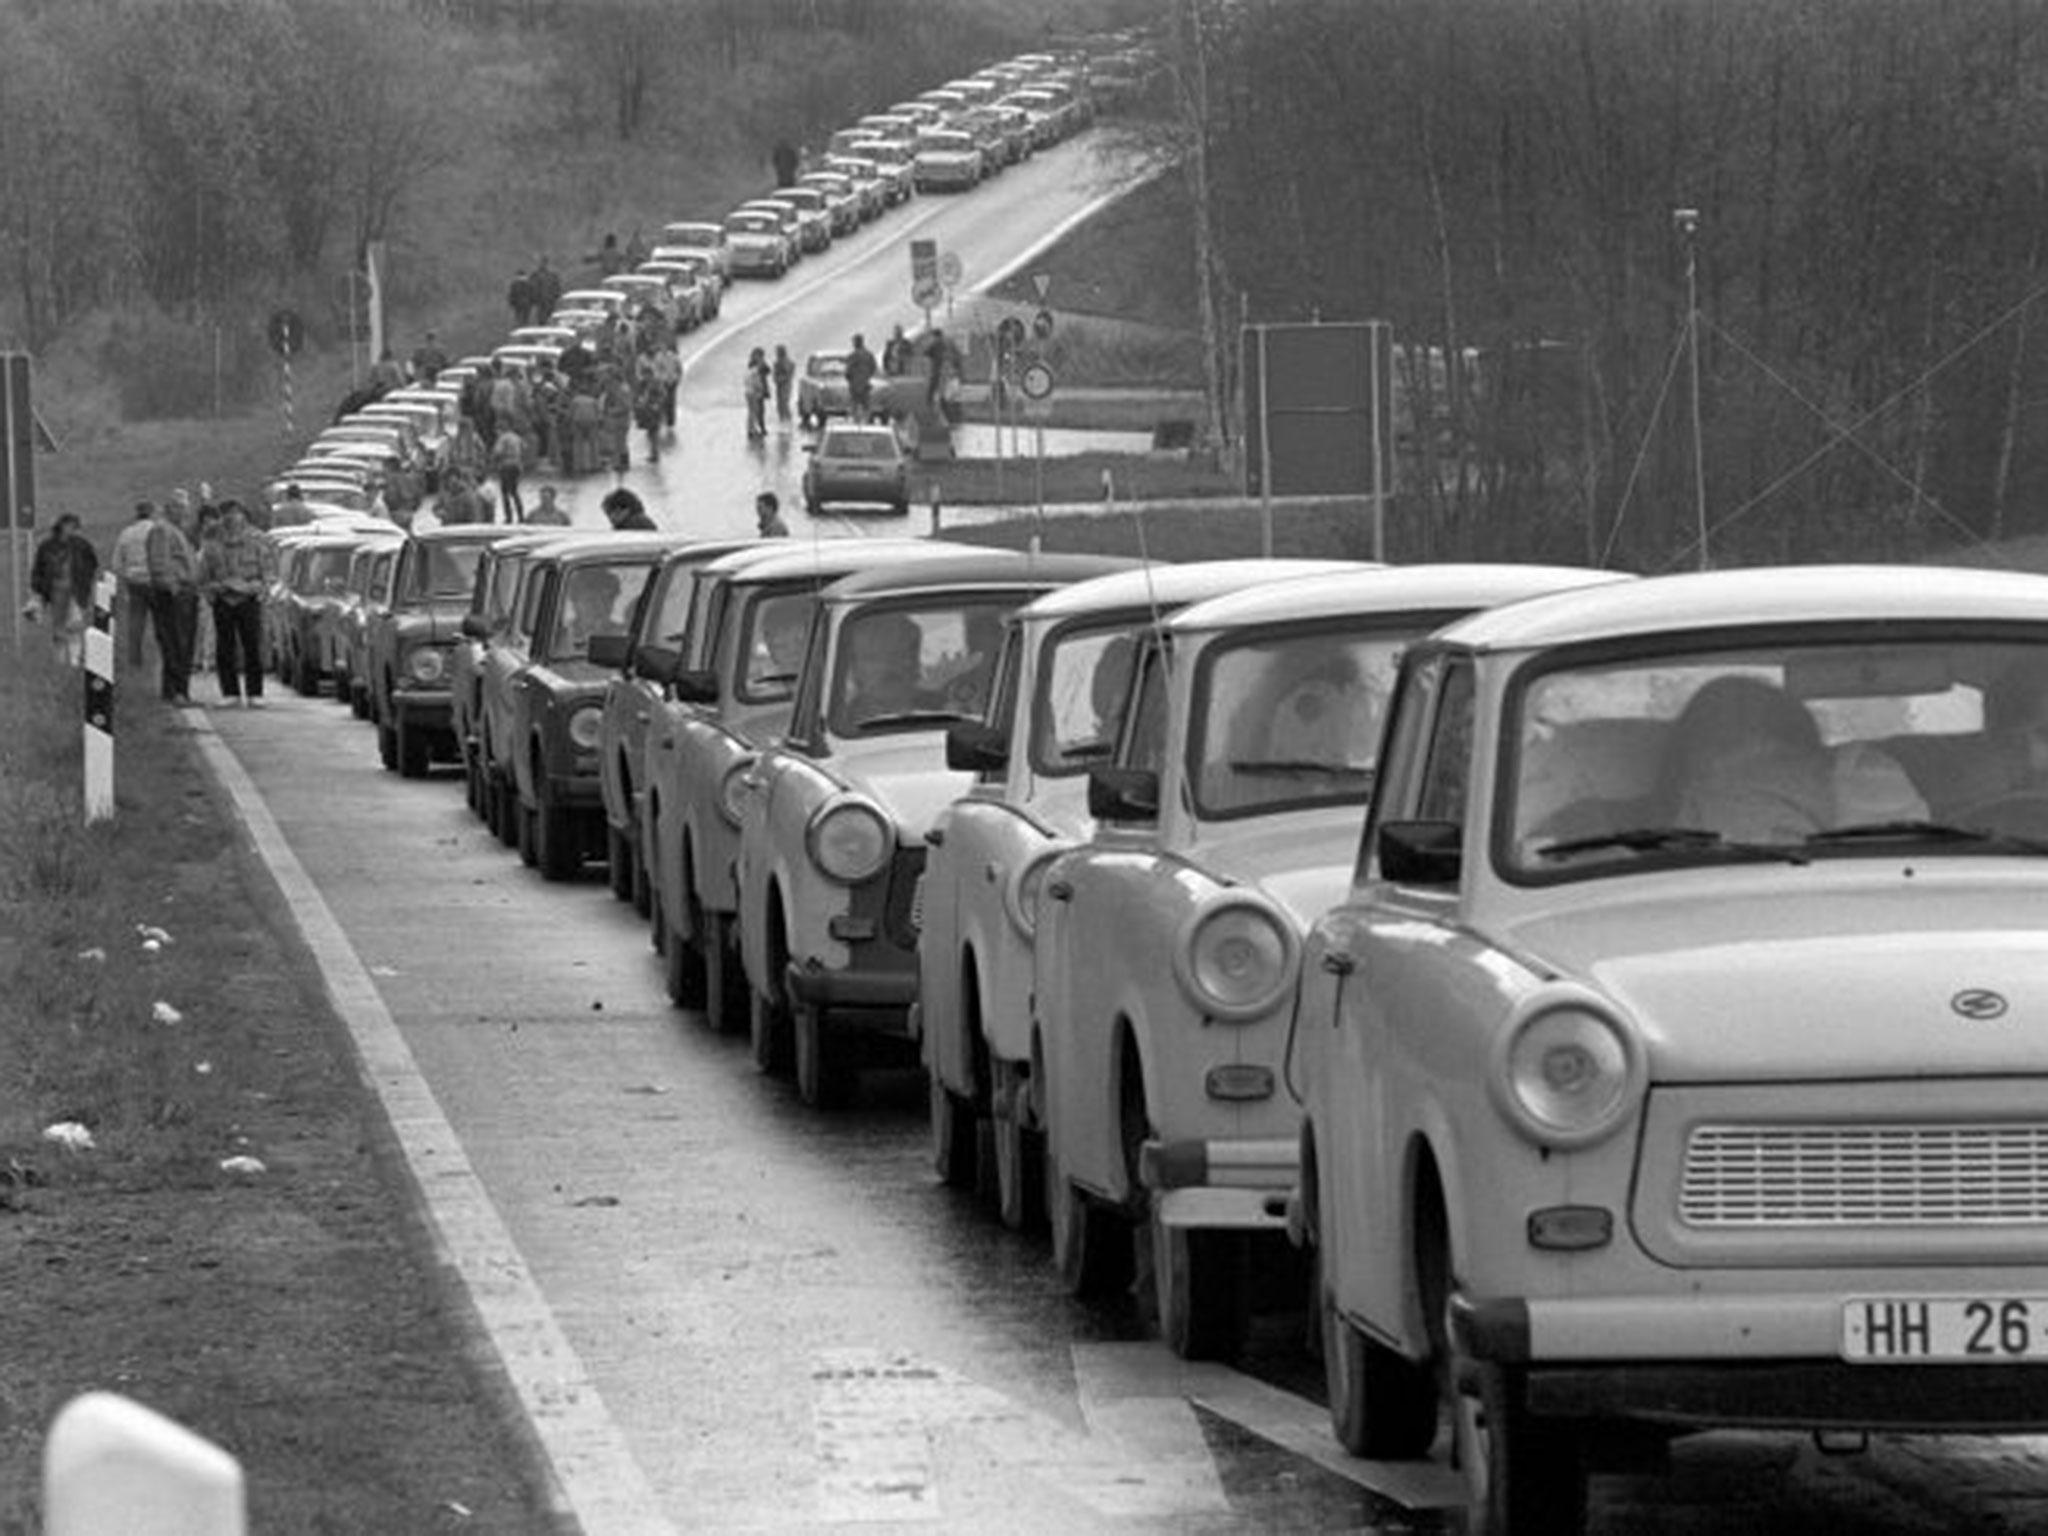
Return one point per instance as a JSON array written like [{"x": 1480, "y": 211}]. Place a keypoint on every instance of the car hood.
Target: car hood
[
  {"x": 906, "y": 775},
  {"x": 1302, "y": 860},
  {"x": 1931, "y": 976}
]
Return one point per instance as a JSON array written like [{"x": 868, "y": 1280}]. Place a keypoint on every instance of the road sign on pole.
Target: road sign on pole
[
  {"x": 1322, "y": 404},
  {"x": 17, "y": 469}
]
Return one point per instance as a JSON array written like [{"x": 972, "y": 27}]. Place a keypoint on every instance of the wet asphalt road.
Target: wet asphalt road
[{"x": 780, "y": 1321}]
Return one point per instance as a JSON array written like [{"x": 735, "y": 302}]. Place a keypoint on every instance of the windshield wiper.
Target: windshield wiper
[
  {"x": 913, "y": 717},
  {"x": 1909, "y": 828},
  {"x": 1668, "y": 839}
]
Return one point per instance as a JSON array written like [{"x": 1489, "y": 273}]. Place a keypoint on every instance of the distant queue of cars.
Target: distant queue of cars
[{"x": 1599, "y": 986}]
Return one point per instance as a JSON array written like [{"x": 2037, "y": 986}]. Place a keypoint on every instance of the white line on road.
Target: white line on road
[{"x": 596, "y": 1477}]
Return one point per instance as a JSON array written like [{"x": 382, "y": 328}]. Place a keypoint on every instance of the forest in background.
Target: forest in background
[{"x": 1500, "y": 178}]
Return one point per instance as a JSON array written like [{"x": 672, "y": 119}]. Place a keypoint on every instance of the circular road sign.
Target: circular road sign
[
  {"x": 286, "y": 332},
  {"x": 925, "y": 293},
  {"x": 951, "y": 269},
  {"x": 1036, "y": 382}
]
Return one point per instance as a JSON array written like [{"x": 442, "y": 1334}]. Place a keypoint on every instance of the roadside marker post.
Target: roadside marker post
[
  {"x": 115, "y": 1468},
  {"x": 100, "y": 637}
]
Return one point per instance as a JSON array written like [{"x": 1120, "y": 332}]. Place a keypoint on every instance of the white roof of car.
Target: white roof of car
[
  {"x": 1386, "y": 589},
  {"x": 779, "y": 559},
  {"x": 1792, "y": 594},
  {"x": 1175, "y": 585}
]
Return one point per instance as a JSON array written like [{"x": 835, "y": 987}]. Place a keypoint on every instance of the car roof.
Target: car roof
[
  {"x": 596, "y": 543},
  {"x": 1762, "y": 596},
  {"x": 775, "y": 559},
  {"x": 988, "y": 567},
  {"x": 463, "y": 533},
  {"x": 1388, "y": 589},
  {"x": 1179, "y": 585}
]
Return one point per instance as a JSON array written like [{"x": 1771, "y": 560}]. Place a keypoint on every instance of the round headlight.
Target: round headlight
[
  {"x": 1021, "y": 899},
  {"x": 586, "y": 727},
  {"x": 851, "y": 841},
  {"x": 1237, "y": 958},
  {"x": 733, "y": 791},
  {"x": 1569, "y": 1075},
  {"x": 426, "y": 665}
]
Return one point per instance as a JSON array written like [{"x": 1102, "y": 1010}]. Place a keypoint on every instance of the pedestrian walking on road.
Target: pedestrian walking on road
[
  {"x": 783, "y": 370},
  {"x": 61, "y": 577},
  {"x": 756, "y": 389},
  {"x": 860, "y": 378},
  {"x": 174, "y": 578},
  {"x": 235, "y": 570},
  {"x": 508, "y": 457},
  {"x": 130, "y": 561}
]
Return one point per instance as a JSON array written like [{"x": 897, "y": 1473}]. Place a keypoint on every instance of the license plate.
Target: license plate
[{"x": 1982, "y": 1330}]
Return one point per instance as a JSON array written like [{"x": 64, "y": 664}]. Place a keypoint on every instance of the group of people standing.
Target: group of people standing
[{"x": 170, "y": 559}]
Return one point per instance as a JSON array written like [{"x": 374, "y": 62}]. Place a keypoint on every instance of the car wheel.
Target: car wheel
[
  {"x": 1091, "y": 1247},
  {"x": 1521, "y": 1472},
  {"x": 1382, "y": 1404},
  {"x": 725, "y": 983},
  {"x": 1018, "y": 1148},
  {"x": 1200, "y": 1283},
  {"x": 472, "y": 780},
  {"x": 359, "y": 702},
  {"x": 768, "y": 1032},
  {"x": 682, "y": 972},
  {"x": 557, "y": 850},
  {"x": 305, "y": 676},
  {"x": 387, "y": 746},
  {"x": 955, "y": 1136},
  {"x": 525, "y": 835},
  {"x": 504, "y": 808},
  {"x": 413, "y": 755},
  {"x": 642, "y": 893},
  {"x": 618, "y": 862},
  {"x": 824, "y": 1060}
]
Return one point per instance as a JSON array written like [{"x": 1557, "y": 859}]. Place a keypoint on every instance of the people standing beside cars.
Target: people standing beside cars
[
  {"x": 546, "y": 284},
  {"x": 428, "y": 359},
  {"x": 235, "y": 570},
  {"x": 783, "y": 370},
  {"x": 61, "y": 577},
  {"x": 519, "y": 298},
  {"x": 666, "y": 364},
  {"x": 784, "y": 159},
  {"x": 940, "y": 366},
  {"x": 461, "y": 501},
  {"x": 508, "y": 459},
  {"x": 768, "y": 516},
  {"x": 756, "y": 390},
  {"x": 648, "y": 399},
  {"x": 627, "y": 513},
  {"x": 615, "y": 408},
  {"x": 547, "y": 510},
  {"x": 896, "y": 354},
  {"x": 174, "y": 581},
  {"x": 860, "y": 378},
  {"x": 130, "y": 561}
]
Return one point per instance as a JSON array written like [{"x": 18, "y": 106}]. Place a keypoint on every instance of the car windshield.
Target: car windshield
[
  {"x": 826, "y": 365},
  {"x": 909, "y": 667},
  {"x": 1288, "y": 718},
  {"x": 1838, "y": 742},
  {"x": 752, "y": 224},
  {"x": 858, "y": 445},
  {"x": 322, "y": 570},
  {"x": 597, "y": 599},
  {"x": 448, "y": 571}
]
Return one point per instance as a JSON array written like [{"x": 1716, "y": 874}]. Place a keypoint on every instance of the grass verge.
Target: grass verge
[{"x": 148, "y": 996}]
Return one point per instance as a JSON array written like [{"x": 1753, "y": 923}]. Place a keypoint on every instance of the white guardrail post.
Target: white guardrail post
[
  {"x": 99, "y": 637},
  {"x": 115, "y": 1468}
]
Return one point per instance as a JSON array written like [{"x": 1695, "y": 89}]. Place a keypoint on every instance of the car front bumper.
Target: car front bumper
[
  {"x": 420, "y": 708},
  {"x": 1240, "y": 1185}
]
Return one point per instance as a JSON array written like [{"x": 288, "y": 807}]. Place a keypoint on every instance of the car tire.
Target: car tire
[
  {"x": 1382, "y": 1404},
  {"x": 618, "y": 862},
  {"x": 1091, "y": 1247},
  {"x": 387, "y": 746},
  {"x": 768, "y": 1033},
  {"x": 1522, "y": 1473},
  {"x": 557, "y": 844},
  {"x": 725, "y": 982},
  {"x": 955, "y": 1131},
  {"x": 413, "y": 753},
  {"x": 305, "y": 676},
  {"x": 824, "y": 1059},
  {"x": 1019, "y": 1153},
  {"x": 682, "y": 972},
  {"x": 1201, "y": 1284},
  {"x": 525, "y": 835}
]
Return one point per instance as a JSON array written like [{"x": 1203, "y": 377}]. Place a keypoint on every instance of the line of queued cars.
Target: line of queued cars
[{"x": 1609, "y": 998}]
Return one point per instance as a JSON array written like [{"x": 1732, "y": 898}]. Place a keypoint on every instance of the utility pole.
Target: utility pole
[{"x": 1687, "y": 221}]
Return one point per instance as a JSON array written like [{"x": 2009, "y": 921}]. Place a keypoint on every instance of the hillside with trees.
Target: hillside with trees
[{"x": 1500, "y": 181}]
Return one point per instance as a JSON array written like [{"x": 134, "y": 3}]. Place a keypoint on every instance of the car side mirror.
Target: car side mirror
[
  {"x": 1421, "y": 852},
  {"x": 656, "y": 663},
  {"x": 475, "y": 627},
  {"x": 975, "y": 747},
  {"x": 697, "y": 685},
  {"x": 607, "y": 650},
  {"x": 1123, "y": 794}
]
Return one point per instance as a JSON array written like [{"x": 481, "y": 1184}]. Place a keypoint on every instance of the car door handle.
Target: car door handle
[{"x": 1060, "y": 890}]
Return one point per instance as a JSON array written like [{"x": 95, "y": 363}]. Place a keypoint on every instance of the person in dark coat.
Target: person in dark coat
[
  {"x": 519, "y": 295},
  {"x": 784, "y": 159},
  {"x": 61, "y": 577},
  {"x": 627, "y": 513}
]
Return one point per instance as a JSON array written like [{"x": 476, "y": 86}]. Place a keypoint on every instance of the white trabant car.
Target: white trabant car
[
  {"x": 833, "y": 821},
  {"x": 729, "y": 683},
  {"x": 1669, "y": 1063},
  {"x": 1061, "y": 687},
  {"x": 1165, "y": 968}
]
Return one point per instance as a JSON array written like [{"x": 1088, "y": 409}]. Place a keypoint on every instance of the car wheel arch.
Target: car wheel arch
[{"x": 973, "y": 1011}]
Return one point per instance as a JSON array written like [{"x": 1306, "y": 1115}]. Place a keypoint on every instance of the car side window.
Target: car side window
[
  {"x": 1401, "y": 765},
  {"x": 1447, "y": 772}
]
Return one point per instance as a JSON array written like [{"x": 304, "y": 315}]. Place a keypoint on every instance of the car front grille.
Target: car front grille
[{"x": 1918, "y": 1174}]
